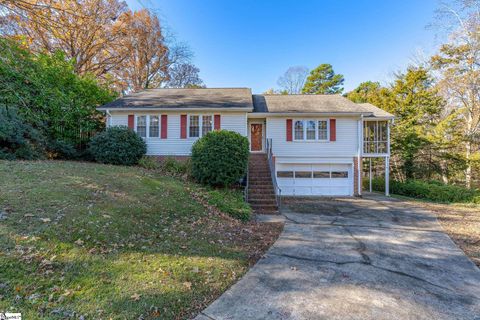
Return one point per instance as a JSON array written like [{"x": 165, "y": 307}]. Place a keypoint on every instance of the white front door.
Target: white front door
[{"x": 315, "y": 179}]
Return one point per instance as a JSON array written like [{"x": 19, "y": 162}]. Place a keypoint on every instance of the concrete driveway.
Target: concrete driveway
[{"x": 346, "y": 258}]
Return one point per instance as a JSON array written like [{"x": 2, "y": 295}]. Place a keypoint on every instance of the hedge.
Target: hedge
[{"x": 428, "y": 190}]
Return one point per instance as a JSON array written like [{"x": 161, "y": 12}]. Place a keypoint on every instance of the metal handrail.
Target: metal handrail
[{"x": 278, "y": 195}]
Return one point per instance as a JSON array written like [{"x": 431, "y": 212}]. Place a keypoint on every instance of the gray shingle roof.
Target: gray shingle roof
[
  {"x": 377, "y": 112},
  {"x": 310, "y": 103},
  {"x": 185, "y": 98}
]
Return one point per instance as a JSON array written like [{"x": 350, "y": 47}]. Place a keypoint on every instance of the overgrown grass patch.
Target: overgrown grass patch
[{"x": 100, "y": 241}]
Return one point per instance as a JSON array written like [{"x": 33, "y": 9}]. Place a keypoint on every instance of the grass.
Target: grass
[
  {"x": 99, "y": 241},
  {"x": 229, "y": 201}
]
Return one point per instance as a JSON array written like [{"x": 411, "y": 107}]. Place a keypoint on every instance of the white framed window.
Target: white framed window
[
  {"x": 311, "y": 130},
  {"x": 322, "y": 130},
  {"x": 194, "y": 126},
  {"x": 207, "y": 124},
  {"x": 142, "y": 126},
  {"x": 154, "y": 130},
  {"x": 199, "y": 125},
  {"x": 298, "y": 133}
]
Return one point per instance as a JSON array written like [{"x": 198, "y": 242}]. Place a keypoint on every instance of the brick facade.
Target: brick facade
[
  {"x": 355, "y": 175},
  {"x": 178, "y": 158}
]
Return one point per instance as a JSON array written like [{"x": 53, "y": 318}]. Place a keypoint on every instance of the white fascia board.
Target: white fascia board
[
  {"x": 314, "y": 160},
  {"x": 176, "y": 109},
  {"x": 305, "y": 114}
]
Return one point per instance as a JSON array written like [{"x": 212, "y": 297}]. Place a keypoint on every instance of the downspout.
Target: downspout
[{"x": 109, "y": 117}]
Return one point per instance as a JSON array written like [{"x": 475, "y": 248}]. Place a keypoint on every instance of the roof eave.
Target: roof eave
[
  {"x": 296, "y": 114},
  {"x": 173, "y": 109}
]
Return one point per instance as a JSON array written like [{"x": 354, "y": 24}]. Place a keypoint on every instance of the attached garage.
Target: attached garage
[{"x": 315, "y": 179}]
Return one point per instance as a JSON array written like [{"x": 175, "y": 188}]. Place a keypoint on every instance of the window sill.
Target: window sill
[{"x": 312, "y": 141}]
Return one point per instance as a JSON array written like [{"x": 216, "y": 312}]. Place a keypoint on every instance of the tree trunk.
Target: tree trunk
[{"x": 468, "y": 170}]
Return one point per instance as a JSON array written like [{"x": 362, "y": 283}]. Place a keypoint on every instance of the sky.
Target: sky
[{"x": 248, "y": 43}]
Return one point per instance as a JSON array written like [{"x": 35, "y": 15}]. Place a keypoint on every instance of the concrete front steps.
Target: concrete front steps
[{"x": 261, "y": 194}]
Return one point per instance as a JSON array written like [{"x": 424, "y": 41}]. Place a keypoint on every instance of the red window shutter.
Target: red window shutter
[
  {"x": 131, "y": 121},
  {"x": 163, "y": 134},
  {"x": 333, "y": 129},
  {"x": 183, "y": 126},
  {"x": 216, "y": 122},
  {"x": 289, "y": 129}
]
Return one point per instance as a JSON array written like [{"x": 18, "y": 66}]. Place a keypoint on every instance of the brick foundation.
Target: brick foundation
[
  {"x": 355, "y": 175},
  {"x": 178, "y": 158}
]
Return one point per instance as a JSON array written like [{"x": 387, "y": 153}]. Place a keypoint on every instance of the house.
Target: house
[{"x": 312, "y": 144}]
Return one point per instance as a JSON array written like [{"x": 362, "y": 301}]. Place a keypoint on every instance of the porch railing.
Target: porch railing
[{"x": 278, "y": 191}]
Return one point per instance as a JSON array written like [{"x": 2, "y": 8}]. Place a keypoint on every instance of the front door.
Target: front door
[{"x": 256, "y": 133}]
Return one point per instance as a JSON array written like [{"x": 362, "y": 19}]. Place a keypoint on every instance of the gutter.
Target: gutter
[
  {"x": 174, "y": 109},
  {"x": 306, "y": 114}
]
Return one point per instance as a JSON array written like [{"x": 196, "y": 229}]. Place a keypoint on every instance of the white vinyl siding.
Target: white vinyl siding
[
  {"x": 174, "y": 145},
  {"x": 346, "y": 144}
]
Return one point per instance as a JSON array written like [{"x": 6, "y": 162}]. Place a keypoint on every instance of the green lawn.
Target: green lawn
[{"x": 99, "y": 241}]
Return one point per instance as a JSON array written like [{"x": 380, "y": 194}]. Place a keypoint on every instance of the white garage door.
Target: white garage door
[{"x": 315, "y": 179}]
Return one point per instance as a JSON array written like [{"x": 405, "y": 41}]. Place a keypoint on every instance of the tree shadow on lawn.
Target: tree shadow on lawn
[{"x": 82, "y": 237}]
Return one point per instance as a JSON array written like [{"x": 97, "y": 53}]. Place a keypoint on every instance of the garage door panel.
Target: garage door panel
[
  {"x": 315, "y": 179},
  {"x": 287, "y": 191}
]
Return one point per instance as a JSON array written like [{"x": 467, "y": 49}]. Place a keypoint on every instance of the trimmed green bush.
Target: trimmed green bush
[
  {"x": 432, "y": 190},
  {"x": 117, "y": 145},
  {"x": 220, "y": 158}
]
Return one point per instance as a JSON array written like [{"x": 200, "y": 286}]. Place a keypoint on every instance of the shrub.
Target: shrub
[
  {"x": 117, "y": 145},
  {"x": 428, "y": 190},
  {"x": 18, "y": 140},
  {"x": 149, "y": 163},
  {"x": 59, "y": 149},
  {"x": 220, "y": 158},
  {"x": 230, "y": 201},
  {"x": 173, "y": 166}
]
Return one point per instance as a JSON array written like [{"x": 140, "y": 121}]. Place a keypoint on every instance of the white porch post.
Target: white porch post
[
  {"x": 387, "y": 176},
  {"x": 370, "y": 174}
]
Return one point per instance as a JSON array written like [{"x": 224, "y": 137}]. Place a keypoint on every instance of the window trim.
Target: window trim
[
  {"x": 147, "y": 119},
  {"x": 158, "y": 125},
  {"x": 200, "y": 124},
  {"x": 316, "y": 120}
]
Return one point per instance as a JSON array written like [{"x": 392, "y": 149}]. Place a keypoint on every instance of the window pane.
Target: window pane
[
  {"x": 339, "y": 174},
  {"x": 298, "y": 130},
  {"x": 142, "y": 126},
  {"x": 310, "y": 130},
  {"x": 322, "y": 130},
  {"x": 303, "y": 174},
  {"x": 194, "y": 129},
  {"x": 206, "y": 125},
  {"x": 284, "y": 174},
  {"x": 321, "y": 174},
  {"x": 154, "y": 129}
]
